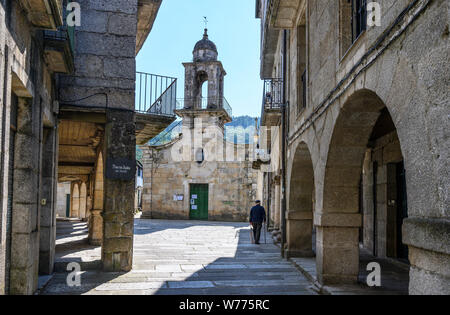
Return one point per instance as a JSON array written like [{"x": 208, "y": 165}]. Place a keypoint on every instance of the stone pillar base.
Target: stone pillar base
[
  {"x": 117, "y": 254},
  {"x": 299, "y": 227},
  {"x": 96, "y": 228},
  {"x": 337, "y": 248},
  {"x": 428, "y": 242},
  {"x": 299, "y": 253}
]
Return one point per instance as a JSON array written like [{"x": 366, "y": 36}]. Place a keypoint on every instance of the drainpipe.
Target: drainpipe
[
  {"x": 283, "y": 148},
  {"x": 269, "y": 188},
  {"x": 151, "y": 185}
]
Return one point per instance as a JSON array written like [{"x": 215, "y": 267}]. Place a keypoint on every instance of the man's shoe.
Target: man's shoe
[{"x": 257, "y": 243}]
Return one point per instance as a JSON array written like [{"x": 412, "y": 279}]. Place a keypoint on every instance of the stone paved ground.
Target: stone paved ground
[
  {"x": 71, "y": 245},
  {"x": 194, "y": 258}
]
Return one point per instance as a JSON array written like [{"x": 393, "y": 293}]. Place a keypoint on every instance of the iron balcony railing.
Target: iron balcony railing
[
  {"x": 155, "y": 94},
  {"x": 63, "y": 34},
  {"x": 205, "y": 103},
  {"x": 273, "y": 94}
]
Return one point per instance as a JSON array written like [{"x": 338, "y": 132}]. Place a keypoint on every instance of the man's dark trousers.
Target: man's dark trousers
[{"x": 257, "y": 231}]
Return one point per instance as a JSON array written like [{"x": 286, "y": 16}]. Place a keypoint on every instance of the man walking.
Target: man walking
[{"x": 257, "y": 218}]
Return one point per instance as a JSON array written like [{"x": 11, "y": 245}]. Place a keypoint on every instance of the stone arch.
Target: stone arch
[
  {"x": 350, "y": 138},
  {"x": 202, "y": 87},
  {"x": 96, "y": 220},
  {"x": 338, "y": 218},
  {"x": 300, "y": 204},
  {"x": 75, "y": 205},
  {"x": 83, "y": 200}
]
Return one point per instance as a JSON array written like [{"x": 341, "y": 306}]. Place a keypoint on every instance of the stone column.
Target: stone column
[
  {"x": 96, "y": 227},
  {"x": 277, "y": 205},
  {"x": 83, "y": 201},
  {"x": 299, "y": 225},
  {"x": 299, "y": 218},
  {"x": 95, "y": 218},
  {"x": 25, "y": 214},
  {"x": 88, "y": 207},
  {"x": 75, "y": 201},
  {"x": 48, "y": 208},
  {"x": 428, "y": 241},
  {"x": 337, "y": 247},
  {"x": 118, "y": 214}
]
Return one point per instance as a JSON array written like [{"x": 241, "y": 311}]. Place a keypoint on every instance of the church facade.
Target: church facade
[{"x": 199, "y": 175}]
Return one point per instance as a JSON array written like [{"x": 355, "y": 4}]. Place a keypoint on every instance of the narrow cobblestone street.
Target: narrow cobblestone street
[{"x": 190, "y": 258}]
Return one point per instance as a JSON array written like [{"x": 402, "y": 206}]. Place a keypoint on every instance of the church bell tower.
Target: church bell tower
[{"x": 205, "y": 69}]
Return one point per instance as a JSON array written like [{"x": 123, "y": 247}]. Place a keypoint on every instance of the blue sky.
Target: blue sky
[{"x": 232, "y": 27}]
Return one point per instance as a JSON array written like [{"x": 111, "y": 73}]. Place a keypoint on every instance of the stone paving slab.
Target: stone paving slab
[
  {"x": 190, "y": 284},
  {"x": 191, "y": 258},
  {"x": 131, "y": 286}
]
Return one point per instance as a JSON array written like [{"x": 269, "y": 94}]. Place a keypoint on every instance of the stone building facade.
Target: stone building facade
[
  {"x": 199, "y": 175},
  {"x": 68, "y": 116},
  {"x": 362, "y": 115},
  {"x": 28, "y": 144}
]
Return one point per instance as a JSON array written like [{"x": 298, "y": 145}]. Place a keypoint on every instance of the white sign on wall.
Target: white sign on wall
[{"x": 178, "y": 197}]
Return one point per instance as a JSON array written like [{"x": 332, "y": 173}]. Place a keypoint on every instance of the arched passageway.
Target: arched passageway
[
  {"x": 364, "y": 194},
  {"x": 301, "y": 205}
]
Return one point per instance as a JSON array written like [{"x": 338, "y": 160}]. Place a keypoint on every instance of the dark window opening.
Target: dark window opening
[
  {"x": 304, "y": 90},
  {"x": 200, "y": 156},
  {"x": 301, "y": 70},
  {"x": 359, "y": 17},
  {"x": 7, "y": 6}
]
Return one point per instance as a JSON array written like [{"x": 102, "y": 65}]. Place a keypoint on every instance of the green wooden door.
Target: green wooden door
[{"x": 198, "y": 202}]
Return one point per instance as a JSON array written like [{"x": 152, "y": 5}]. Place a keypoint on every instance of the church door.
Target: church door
[{"x": 199, "y": 202}]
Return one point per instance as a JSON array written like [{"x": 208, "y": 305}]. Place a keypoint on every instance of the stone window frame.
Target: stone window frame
[
  {"x": 347, "y": 39},
  {"x": 197, "y": 153},
  {"x": 302, "y": 101}
]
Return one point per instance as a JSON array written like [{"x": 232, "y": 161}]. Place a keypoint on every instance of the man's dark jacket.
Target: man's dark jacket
[{"x": 257, "y": 214}]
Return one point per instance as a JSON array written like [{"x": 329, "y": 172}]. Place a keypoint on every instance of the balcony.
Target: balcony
[
  {"x": 211, "y": 104},
  {"x": 147, "y": 12},
  {"x": 59, "y": 50},
  {"x": 272, "y": 102},
  {"x": 282, "y": 14},
  {"x": 44, "y": 14},
  {"x": 276, "y": 15},
  {"x": 269, "y": 38},
  {"x": 156, "y": 101}
]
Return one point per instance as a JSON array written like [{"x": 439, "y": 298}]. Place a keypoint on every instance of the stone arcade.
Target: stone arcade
[
  {"x": 362, "y": 114},
  {"x": 67, "y": 100}
]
